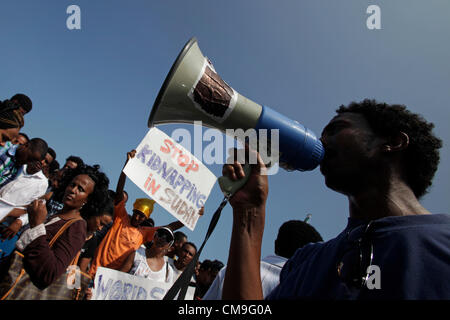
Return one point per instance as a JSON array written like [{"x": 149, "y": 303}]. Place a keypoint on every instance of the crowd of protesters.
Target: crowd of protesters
[
  {"x": 381, "y": 157},
  {"x": 38, "y": 197}
]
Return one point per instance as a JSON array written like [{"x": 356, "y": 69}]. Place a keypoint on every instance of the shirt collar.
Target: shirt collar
[{"x": 12, "y": 150}]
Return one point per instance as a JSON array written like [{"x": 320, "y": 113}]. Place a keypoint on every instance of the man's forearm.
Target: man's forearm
[
  {"x": 175, "y": 225},
  {"x": 119, "y": 188},
  {"x": 122, "y": 179},
  {"x": 242, "y": 277},
  {"x": 16, "y": 212}
]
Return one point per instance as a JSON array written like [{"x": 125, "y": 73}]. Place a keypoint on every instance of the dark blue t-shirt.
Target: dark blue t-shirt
[{"x": 412, "y": 253}]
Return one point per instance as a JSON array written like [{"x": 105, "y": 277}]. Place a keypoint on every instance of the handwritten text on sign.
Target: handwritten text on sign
[
  {"x": 115, "y": 285},
  {"x": 171, "y": 176}
]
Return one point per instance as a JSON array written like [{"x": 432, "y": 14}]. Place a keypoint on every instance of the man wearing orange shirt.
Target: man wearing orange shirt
[{"x": 126, "y": 234}]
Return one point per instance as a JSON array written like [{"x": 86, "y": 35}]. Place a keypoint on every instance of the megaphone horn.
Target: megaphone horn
[{"x": 193, "y": 91}]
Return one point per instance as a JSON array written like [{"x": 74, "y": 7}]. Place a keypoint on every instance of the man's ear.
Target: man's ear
[{"x": 397, "y": 142}]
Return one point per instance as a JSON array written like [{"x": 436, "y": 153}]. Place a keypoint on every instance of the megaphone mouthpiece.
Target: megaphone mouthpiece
[{"x": 299, "y": 147}]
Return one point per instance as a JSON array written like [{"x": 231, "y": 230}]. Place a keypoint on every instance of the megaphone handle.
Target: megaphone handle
[{"x": 229, "y": 187}]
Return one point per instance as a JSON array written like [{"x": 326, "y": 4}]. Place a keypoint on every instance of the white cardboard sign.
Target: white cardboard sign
[
  {"x": 171, "y": 176},
  {"x": 111, "y": 284}
]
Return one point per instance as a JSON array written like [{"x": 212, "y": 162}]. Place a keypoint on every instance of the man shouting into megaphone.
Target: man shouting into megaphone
[{"x": 383, "y": 158}]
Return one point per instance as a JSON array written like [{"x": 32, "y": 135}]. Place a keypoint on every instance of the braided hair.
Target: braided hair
[{"x": 10, "y": 116}]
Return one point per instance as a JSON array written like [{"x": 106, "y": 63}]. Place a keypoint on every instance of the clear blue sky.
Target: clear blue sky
[{"x": 93, "y": 88}]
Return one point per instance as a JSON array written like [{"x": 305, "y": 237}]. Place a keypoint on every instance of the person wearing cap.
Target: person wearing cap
[
  {"x": 149, "y": 261},
  {"x": 127, "y": 233}
]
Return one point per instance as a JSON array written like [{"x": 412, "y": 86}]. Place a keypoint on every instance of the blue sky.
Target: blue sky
[{"x": 93, "y": 88}]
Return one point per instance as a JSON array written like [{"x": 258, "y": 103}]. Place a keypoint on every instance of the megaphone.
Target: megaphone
[{"x": 193, "y": 91}]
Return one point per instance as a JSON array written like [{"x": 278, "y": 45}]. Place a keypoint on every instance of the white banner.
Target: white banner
[
  {"x": 171, "y": 176},
  {"x": 111, "y": 284}
]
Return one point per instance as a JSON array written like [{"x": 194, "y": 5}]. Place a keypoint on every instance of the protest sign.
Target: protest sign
[
  {"x": 111, "y": 284},
  {"x": 171, "y": 176}
]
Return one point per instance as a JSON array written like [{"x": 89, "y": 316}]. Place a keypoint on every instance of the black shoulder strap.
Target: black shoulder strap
[{"x": 182, "y": 283}]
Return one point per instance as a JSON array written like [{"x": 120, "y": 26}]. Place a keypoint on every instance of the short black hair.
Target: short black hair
[
  {"x": 109, "y": 207},
  {"x": 205, "y": 264},
  {"x": 23, "y": 101},
  {"x": 54, "y": 165},
  {"x": 52, "y": 152},
  {"x": 294, "y": 234},
  {"x": 160, "y": 232},
  {"x": 112, "y": 193},
  {"x": 24, "y": 135},
  {"x": 421, "y": 158},
  {"x": 149, "y": 222},
  {"x": 190, "y": 244},
  {"x": 216, "y": 265},
  {"x": 40, "y": 146},
  {"x": 76, "y": 159},
  {"x": 179, "y": 235}
]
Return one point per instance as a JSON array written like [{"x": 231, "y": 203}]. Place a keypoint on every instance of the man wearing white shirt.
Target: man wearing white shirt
[
  {"x": 292, "y": 235},
  {"x": 187, "y": 253},
  {"x": 25, "y": 188},
  {"x": 29, "y": 184}
]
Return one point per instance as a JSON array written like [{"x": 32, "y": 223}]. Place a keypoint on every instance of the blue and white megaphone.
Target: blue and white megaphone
[{"x": 193, "y": 91}]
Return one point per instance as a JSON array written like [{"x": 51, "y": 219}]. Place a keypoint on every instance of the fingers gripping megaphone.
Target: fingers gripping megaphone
[{"x": 193, "y": 91}]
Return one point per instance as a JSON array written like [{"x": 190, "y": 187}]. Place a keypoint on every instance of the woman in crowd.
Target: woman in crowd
[
  {"x": 84, "y": 196},
  {"x": 96, "y": 222}
]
